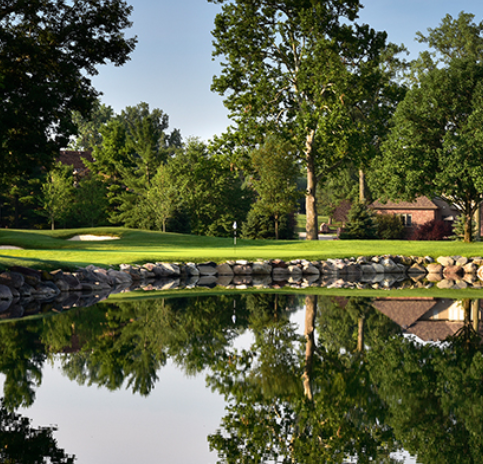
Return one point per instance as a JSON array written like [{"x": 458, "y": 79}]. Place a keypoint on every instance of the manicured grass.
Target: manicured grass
[{"x": 50, "y": 250}]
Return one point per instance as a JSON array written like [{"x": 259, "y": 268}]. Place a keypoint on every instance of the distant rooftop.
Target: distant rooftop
[{"x": 75, "y": 158}]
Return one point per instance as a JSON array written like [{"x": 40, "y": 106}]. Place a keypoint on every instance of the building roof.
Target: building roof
[
  {"x": 75, "y": 158},
  {"x": 404, "y": 311},
  {"x": 435, "y": 331},
  {"x": 419, "y": 203}
]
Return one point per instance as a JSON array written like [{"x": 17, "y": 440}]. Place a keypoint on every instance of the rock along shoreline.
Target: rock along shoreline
[{"x": 25, "y": 291}]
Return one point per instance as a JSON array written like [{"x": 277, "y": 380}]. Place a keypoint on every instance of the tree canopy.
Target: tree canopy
[
  {"x": 48, "y": 51},
  {"x": 300, "y": 69},
  {"x": 434, "y": 147}
]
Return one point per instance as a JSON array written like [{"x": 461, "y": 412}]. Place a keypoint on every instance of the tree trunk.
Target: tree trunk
[
  {"x": 310, "y": 313},
  {"x": 360, "y": 335},
  {"x": 477, "y": 219},
  {"x": 276, "y": 226},
  {"x": 362, "y": 186},
  {"x": 468, "y": 232},
  {"x": 475, "y": 309},
  {"x": 311, "y": 225}
]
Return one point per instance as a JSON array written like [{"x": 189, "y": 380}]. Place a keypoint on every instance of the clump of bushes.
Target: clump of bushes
[
  {"x": 390, "y": 227},
  {"x": 433, "y": 230},
  {"x": 259, "y": 225}
]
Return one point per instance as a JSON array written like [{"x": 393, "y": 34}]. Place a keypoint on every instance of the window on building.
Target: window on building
[{"x": 407, "y": 220}]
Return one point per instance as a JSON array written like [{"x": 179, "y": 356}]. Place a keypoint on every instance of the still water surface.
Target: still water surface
[{"x": 164, "y": 380}]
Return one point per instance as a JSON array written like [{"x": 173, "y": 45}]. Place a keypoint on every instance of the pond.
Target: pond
[{"x": 245, "y": 378}]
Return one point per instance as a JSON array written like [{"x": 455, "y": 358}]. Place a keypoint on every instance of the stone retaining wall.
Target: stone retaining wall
[{"x": 27, "y": 291}]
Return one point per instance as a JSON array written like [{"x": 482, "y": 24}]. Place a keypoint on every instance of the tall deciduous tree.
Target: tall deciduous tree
[
  {"x": 275, "y": 181},
  {"x": 435, "y": 145},
  {"x": 300, "y": 69},
  {"x": 48, "y": 51}
]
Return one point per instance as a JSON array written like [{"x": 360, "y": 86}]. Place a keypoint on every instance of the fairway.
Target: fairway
[{"x": 50, "y": 249}]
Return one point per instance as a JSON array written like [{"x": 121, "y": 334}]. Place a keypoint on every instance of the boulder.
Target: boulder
[
  {"x": 167, "y": 270},
  {"x": 242, "y": 269},
  {"x": 470, "y": 268},
  {"x": 207, "y": 281},
  {"x": 261, "y": 268},
  {"x": 310, "y": 269},
  {"x": 192, "y": 270},
  {"x": 435, "y": 268},
  {"x": 445, "y": 284},
  {"x": 14, "y": 279},
  {"x": 224, "y": 280},
  {"x": 5, "y": 293},
  {"x": 278, "y": 263},
  {"x": 445, "y": 261},
  {"x": 378, "y": 268},
  {"x": 207, "y": 270},
  {"x": 460, "y": 260},
  {"x": 417, "y": 269},
  {"x": 242, "y": 280},
  {"x": 295, "y": 271},
  {"x": 451, "y": 271},
  {"x": 224, "y": 269},
  {"x": 119, "y": 277}
]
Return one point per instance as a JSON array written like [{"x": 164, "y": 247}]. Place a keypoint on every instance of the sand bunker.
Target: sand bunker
[
  {"x": 92, "y": 237},
  {"x": 9, "y": 247}
]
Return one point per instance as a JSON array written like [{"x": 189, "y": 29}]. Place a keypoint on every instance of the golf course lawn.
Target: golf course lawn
[{"x": 51, "y": 250}]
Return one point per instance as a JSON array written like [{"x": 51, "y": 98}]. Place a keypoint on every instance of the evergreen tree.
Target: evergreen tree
[{"x": 360, "y": 223}]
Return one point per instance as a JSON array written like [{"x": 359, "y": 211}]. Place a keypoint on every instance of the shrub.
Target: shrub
[
  {"x": 390, "y": 227},
  {"x": 261, "y": 226},
  {"x": 360, "y": 223},
  {"x": 433, "y": 230}
]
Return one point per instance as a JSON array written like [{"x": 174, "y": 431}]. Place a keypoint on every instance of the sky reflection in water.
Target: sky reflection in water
[{"x": 173, "y": 416}]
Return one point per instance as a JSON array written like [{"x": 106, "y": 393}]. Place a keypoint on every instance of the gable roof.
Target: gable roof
[
  {"x": 75, "y": 158},
  {"x": 419, "y": 203},
  {"x": 404, "y": 311},
  {"x": 435, "y": 331}
]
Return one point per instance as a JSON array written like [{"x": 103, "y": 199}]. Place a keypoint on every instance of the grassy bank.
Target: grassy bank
[{"x": 50, "y": 249}]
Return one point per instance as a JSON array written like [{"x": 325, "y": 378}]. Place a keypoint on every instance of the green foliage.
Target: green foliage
[
  {"x": 160, "y": 201},
  {"x": 88, "y": 128},
  {"x": 389, "y": 226},
  {"x": 338, "y": 187},
  {"x": 305, "y": 71},
  {"x": 459, "y": 228},
  {"x": 260, "y": 225},
  {"x": 211, "y": 194},
  {"x": 58, "y": 195},
  {"x": 134, "y": 147},
  {"x": 90, "y": 203},
  {"x": 22, "y": 443},
  {"x": 49, "y": 51},
  {"x": 275, "y": 180},
  {"x": 434, "y": 147},
  {"x": 360, "y": 223}
]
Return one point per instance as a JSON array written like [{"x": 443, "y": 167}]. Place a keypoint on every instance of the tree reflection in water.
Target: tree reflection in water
[
  {"x": 22, "y": 444},
  {"x": 351, "y": 386}
]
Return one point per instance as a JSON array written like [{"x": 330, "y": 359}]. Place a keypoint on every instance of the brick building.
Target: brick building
[{"x": 418, "y": 212}]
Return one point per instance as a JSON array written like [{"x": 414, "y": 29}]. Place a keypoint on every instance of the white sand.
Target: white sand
[
  {"x": 9, "y": 247},
  {"x": 92, "y": 237}
]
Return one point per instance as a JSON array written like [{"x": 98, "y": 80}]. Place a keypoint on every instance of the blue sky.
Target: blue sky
[{"x": 172, "y": 69}]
